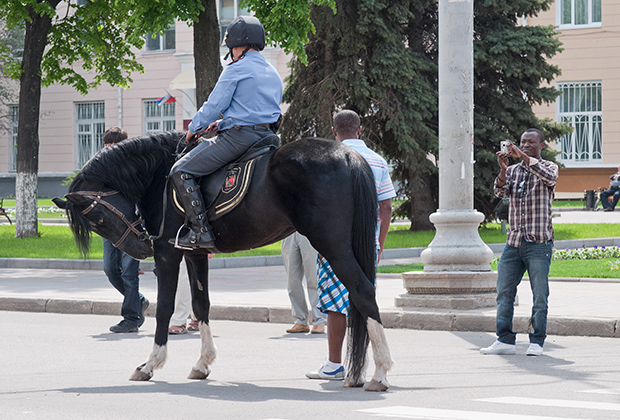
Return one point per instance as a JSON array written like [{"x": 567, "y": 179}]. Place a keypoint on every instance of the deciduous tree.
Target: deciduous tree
[{"x": 63, "y": 42}]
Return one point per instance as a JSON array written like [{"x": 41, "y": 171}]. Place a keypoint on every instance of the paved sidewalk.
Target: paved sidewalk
[
  {"x": 255, "y": 289},
  {"x": 577, "y": 307}
]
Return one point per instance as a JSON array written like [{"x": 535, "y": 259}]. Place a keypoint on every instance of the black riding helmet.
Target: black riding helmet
[{"x": 245, "y": 30}]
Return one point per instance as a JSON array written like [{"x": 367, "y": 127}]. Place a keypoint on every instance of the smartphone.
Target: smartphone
[{"x": 504, "y": 146}]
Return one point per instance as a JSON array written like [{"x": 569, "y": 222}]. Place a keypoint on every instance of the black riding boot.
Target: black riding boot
[{"x": 199, "y": 235}]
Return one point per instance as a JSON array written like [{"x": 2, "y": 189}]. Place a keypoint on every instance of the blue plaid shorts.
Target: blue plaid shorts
[{"x": 333, "y": 295}]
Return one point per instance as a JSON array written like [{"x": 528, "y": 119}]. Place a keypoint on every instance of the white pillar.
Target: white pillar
[{"x": 456, "y": 273}]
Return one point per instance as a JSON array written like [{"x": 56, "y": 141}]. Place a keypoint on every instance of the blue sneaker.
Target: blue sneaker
[{"x": 331, "y": 371}]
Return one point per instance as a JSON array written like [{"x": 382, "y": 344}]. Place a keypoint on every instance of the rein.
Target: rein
[
  {"x": 178, "y": 154},
  {"x": 97, "y": 198}
]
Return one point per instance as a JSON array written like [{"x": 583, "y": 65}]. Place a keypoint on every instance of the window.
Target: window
[
  {"x": 578, "y": 13},
  {"x": 580, "y": 105},
  {"x": 228, "y": 10},
  {"x": 158, "y": 117},
  {"x": 13, "y": 120},
  {"x": 157, "y": 42},
  {"x": 90, "y": 125}
]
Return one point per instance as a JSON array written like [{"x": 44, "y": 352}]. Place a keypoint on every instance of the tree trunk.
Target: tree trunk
[
  {"x": 423, "y": 193},
  {"x": 207, "y": 66},
  {"x": 28, "y": 125}
]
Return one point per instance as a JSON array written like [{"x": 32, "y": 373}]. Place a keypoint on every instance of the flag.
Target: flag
[{"x": 166, "y": 99}]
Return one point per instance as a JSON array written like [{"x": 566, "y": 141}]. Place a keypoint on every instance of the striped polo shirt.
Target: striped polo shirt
[{"x": 385, "y": 189}]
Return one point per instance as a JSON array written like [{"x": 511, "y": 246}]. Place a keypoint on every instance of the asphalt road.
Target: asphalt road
[{"x": 59, "y": 366}]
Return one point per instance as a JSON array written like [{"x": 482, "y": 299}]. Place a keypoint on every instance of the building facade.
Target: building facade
[
  {"x": 590, "y": 86},
  {"x": 72, "y": 125},
  {"x": 161, "y": 98}
]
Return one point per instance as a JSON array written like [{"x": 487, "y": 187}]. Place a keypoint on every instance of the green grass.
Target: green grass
[
  {"x": 53, "y": 242},
  {"x": 47, "y": 209},
  {"x": 491, "y": 233},
  {"x": 57, "y": 241},
  {"x": 569, "y": 203},
  {"x": 559, "y": 268}
]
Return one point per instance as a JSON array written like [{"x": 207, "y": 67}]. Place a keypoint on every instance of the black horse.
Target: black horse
[{"x": 319, "y": 187}]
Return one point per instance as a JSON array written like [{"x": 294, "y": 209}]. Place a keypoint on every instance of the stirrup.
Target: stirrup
[{"x": 175, "y": 241}]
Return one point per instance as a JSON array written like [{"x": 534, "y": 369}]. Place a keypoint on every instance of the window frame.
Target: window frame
[
  {"x": 96, "y": 125},
  {"x": 166, "y": 119},
  {"x": 572, "y": 24},
  {"x": 223, "y": 23},
  {"x": 591, "y": 140},
  {"x": 162, "y": 40}
]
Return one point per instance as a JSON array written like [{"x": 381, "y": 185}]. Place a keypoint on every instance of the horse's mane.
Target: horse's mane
[{"x": 129, "y": 166}]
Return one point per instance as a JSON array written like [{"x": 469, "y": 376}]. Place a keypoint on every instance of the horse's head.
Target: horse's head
[
  {"x": 103, "y": 195},
  {"x": 110, "y": 215}
]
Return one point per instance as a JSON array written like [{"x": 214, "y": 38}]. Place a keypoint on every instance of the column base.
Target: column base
[{"x": 448, "y": 289}]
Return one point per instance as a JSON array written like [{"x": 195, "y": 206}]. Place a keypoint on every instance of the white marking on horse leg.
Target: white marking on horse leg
[
  {"x": 358, "y": 382},
  {"x": 382, "y": 358},
  {"x": 208, "y": 352},
  {"x": 156, "y": 360}
]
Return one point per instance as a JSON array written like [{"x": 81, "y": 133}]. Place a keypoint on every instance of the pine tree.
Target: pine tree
[
  {"x": 379, "y": 58},
  {"x": 509, "y": 69}
]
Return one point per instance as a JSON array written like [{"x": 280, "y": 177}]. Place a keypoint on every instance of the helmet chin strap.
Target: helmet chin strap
[{"x": 230, "y": 53}]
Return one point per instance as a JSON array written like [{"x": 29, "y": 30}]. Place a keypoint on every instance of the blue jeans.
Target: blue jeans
[
  {"x": 536, "y": 259},
  {"x": 122, "y": 271}
]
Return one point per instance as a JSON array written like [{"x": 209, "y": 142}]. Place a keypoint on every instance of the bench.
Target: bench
[
  {"x": 3, "y": 211},
  {"x": 569, "y": 195}
]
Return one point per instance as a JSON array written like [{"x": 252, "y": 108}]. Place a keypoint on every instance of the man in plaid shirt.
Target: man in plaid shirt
[{"x": 530, "y": 185}]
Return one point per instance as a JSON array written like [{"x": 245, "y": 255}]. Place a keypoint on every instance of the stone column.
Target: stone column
[{"x": 456, "y": 273}]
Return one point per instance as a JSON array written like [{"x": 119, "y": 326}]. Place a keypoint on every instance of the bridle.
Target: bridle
[{"x": 97, "y": 198}]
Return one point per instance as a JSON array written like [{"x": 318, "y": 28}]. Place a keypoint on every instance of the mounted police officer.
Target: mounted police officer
[{"x": 247, "y": 96}]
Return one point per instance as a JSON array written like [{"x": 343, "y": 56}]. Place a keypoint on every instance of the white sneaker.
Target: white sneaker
[
  {"x": 499, "y": 348},
  {"x": 534, "y": 350},
  {"x": 329, "y": 370}
]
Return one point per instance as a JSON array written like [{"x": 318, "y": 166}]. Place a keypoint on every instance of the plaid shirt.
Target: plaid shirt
[{"x": 531, "y": 190}]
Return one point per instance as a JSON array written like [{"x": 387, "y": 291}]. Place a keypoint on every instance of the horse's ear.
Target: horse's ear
[
  {"x": 78, "y": 199},
  {"x": 60, "y": 203}
]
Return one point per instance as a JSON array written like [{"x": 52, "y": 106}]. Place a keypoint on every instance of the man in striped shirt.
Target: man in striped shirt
[
  {"x": 530, "y": 185},
  {"x": 333, "y": 295}
]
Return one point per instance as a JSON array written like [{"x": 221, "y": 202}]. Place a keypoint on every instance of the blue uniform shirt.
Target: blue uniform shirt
[{"x": 248, "y": 92}]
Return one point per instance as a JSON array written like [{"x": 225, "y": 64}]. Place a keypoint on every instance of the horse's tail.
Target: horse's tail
[{"x": 364, "y": 249}]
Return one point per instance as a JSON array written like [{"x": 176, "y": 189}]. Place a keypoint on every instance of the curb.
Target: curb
[{"x": 401, "y": 319}]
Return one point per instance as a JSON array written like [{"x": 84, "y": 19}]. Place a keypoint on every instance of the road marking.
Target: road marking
[
  {"x": 554, "y": 403},
  {"x": 602, "y": 391},
  {"x": 439, "y": 414}
]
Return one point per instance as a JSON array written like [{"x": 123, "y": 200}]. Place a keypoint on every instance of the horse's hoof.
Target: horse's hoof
[
  {"x": 139, "y": 375},
  {"x": 351, "y": 384},
  {"x": 198, "y": 374},
  {"x": 377, "y": 386}
]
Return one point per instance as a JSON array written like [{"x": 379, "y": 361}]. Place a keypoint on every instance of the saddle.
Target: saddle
[{"x": 225, "y": 188}]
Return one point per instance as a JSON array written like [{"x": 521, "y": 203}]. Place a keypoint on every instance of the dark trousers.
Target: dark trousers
[
  {"x": 122, "y": 271},
  {"x": 212, "y": 154},
  {"x": 605, "y": 198}
]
